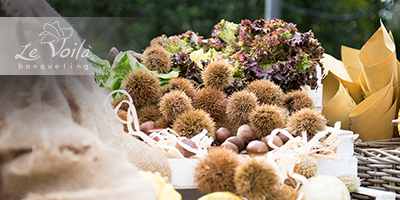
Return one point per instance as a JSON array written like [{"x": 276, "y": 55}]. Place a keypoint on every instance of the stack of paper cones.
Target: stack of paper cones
[{"x": 362, "y": 90}]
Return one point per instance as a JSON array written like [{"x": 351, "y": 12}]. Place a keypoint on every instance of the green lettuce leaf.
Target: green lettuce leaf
[
  {"x": 111, "y": 77},
  {"x": 101, "y": 69}
]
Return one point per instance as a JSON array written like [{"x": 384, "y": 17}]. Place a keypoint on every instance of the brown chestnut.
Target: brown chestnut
[
  {"x": 185, "y": 152},
  {"x": 231, "y": 146},
  {"x": 246, "y": 133},
  {"x": 238, "y": 141},
  {"x": 257, "y": 147},
  {"x": 276, "y": 140},
  {"x": 147, "y": 126},
  {"x": 222, "y": 134},
  {"x": 283, "y": 137}
]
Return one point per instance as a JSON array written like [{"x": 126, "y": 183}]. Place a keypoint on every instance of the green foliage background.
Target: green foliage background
[{"x": 131, "y": 25}]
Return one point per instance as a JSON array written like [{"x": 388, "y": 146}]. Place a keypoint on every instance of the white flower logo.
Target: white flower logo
[
  {"x": 56, "y": 37},
  {"x": 53, "y": 32}
]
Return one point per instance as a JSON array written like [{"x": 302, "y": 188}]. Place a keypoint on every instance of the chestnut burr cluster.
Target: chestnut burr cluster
[{"x": 242, "y": 120}]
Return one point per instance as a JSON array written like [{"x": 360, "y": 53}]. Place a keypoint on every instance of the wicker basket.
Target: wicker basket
[{"x": 379, "y": 165}]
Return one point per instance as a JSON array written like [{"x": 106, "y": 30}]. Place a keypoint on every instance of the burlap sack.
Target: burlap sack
[
  {"x": 59, "y": 141},
  {"x": 45, "y": 155}
]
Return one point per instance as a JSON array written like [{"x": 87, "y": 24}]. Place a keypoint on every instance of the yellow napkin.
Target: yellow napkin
[
  {"x": 370, "y": 78},
  {"x": 368, "y": 118},
  {"x": 336, "y": 101},
  {"x": 378, "y": 59},
  {"x": 341, "y": 71}
]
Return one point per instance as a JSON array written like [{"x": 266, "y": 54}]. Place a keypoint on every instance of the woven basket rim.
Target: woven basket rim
[
  {"x": 385, "y": 143},
  {"x": 379, "y": 164}
]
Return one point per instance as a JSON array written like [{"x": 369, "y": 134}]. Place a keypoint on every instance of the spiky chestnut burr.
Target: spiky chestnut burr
[
  {"x": 192, "y": 122},
  {"x": 307, "y": 166},
  {"x": 124, "y": 115},
  {"x": 212, "y": 101},
  {"x": 174, "y": 103},
  {"x": 308, "y": 120},
  {"x": 351, "y": 181},
  {"x": 266, "y": 118},
  {"x": 156, "y": 58},
  {"x": 216, "y": 171},
  {"x": 163, "y": 90},
  {"x": 256, "y": 179},
  {"x": 218, "y": 74},
  {"x": 266, "y": 92},
  {"x": 163, "y": 122},
  {"x": 116, "y": 101},
  {"x": 142, "y": 86},
  {"x": 149, "y": 112},
  {"x": 240, "y": 105},
  {"x": 296, "y": 100},
  {"x": 184, "y": 85}
]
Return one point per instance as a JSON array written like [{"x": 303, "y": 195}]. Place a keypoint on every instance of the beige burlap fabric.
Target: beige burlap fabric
[
  {"x": 59, "y": 141},
  {"x": 62, "y": 160}
]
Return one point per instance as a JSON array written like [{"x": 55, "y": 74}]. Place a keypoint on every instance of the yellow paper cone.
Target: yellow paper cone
[
  {"x": 378, "y": 58},
  {"x": 398, "y": 63},
  {"x": 338, "y": 69},
  {"x": 370, "y": 76},
  {"x": 363, "y": 84},
  {"x": 355, "y": 91},
  {"x": 337, "y": 104},
  {"x": 398, "y": 72},
  {"x": 380, "y": 129},
  {"x": 373, "y": 107},
  {"x": 351, "y": 62},
  {"x": 371, "y": 119}
]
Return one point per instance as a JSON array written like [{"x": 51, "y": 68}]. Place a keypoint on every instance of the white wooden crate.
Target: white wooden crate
[
  {"x": 316, "y": 94},
  {"x": 345, "y": 150},
  {"x": 183, "y": 169},
  {"x": 182, "y": 172}
]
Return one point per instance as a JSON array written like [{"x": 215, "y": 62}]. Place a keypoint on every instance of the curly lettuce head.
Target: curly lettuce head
[
  {"x": 226, "y": 31},
  {"x": 199, "y": 55}
]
